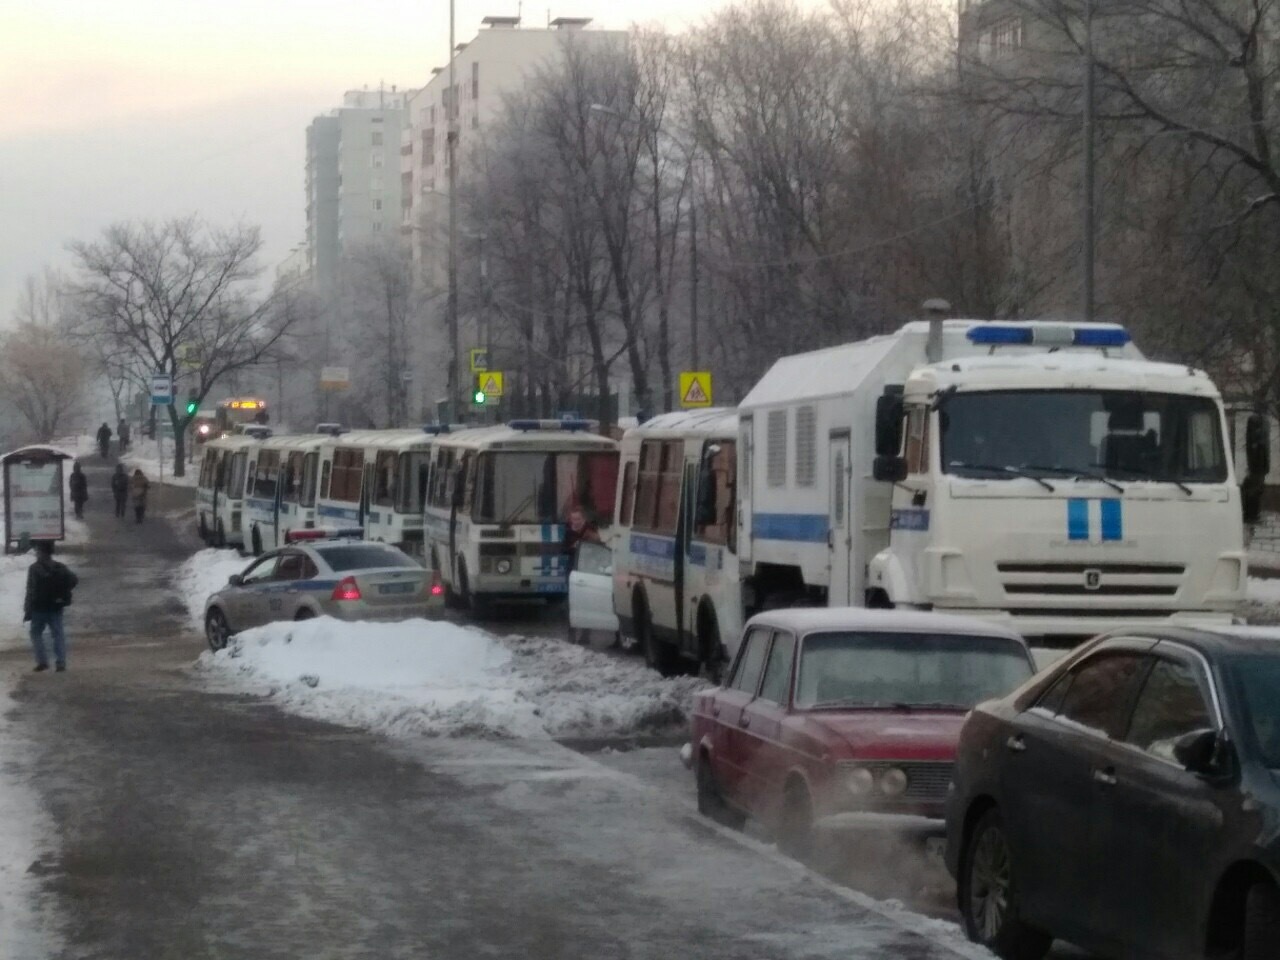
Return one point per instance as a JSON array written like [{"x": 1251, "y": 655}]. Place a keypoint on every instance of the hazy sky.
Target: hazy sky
[{"x": 118, "y": 109}]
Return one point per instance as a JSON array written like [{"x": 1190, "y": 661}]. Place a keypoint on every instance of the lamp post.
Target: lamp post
[
  {"x": 1089, "y": 224},
  {"x": 451, "y": 154}
]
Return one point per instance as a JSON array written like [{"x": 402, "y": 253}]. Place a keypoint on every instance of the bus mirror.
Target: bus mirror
[
  {"x": 889, "y": 469},
  {"x": 889, "y": 422},
  {"x": 1257, "y": 446}
]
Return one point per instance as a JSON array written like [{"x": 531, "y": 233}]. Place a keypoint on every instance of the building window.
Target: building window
[
  {"x": 375, "y": 159},
  {"x": 376, "y": 138},
  {"x": 1002, "y": 39},
  {"x": 475, "y": 80},
  {"x": 377, "y": 204},
  {"x": 375, "y": 184},
  {"x": 377, "y": 226}
]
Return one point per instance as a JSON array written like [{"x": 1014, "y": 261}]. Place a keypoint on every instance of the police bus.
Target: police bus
[
  {"x": 506, "y": 504},
  {"x": 280, "y": 489},
  {"x": 220, "y": 490},
  {"x": 376, "y": 479},
  {"x": 676, "y": 586}
]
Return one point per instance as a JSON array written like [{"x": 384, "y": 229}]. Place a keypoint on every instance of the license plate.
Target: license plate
[{"x": 406, "y": 587}]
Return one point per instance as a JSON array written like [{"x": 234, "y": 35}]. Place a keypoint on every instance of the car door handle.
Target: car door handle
[
  {"x": 1105, "y": 777},
  {"x": 1016, "y": 743}
]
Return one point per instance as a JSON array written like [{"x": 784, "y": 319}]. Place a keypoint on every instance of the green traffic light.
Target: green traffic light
[
  {"x": 192, "y": 406},
  {"x": 479, "y": 398}
]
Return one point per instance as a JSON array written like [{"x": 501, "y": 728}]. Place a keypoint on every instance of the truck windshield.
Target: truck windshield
[
  {"x": 906, "y": 670},
  {"x": 545, "y": 487},
  {"x": 1116, "y": 434}
]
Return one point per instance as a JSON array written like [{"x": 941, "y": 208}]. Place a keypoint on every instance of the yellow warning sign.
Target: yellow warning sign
[
  {"x": 695, "y": 388},
  {"x": 490, "y": 382}
]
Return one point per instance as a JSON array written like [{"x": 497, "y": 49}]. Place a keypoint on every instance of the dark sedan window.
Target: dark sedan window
[
  {"x": 363, "y": 556},
  {"x": 1099, "y": 695},
  {"x": 913, "y": 669},
  {"x": 747, "y": 676},
  {"x": 1260, "y": 695},
  {"x": 1169, "y": 706}
]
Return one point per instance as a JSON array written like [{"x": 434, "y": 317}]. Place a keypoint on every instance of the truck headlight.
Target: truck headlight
[
  {"x": 893, "y": 782},
  {"x": 860, "y": 781},
  {"x": 503, "y": 566}
]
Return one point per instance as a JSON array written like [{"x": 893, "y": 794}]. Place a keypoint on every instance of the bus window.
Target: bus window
[
  {"x": 647, "y": 485},
  {"x": 668, "y": 505},
  {"x": 235, "y": 477},
  {"x": 440, "y": 479},
  {"x": 265, "y": 474},
  {"x": 345, "y": 482},
  {"x": 291, "y": 478},
  {"x": 628, "y": 493},
  {"x": 325, "y": 472},
  {"x": 540, "y": 487},
  {"x": 308, "y": 495},
  {"x": 411, "y": 483},
  {"x": 716, "y": 523},
  {"x": 384, "y": 478}
]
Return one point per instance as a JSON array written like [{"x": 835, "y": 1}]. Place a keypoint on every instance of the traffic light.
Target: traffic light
[
  {"x": 478, "y": 398},
  {"x": 193, "y": 404}
]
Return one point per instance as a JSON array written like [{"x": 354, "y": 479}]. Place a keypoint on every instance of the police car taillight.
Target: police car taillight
[
  {"x": 347, "y": 589},
  {"x": 436, "y": 588}
]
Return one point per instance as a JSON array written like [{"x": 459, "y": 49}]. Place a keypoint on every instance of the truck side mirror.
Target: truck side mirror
[
  {"x": 889, "y": 422},
  {"x": 1257, "y": 446},
  {"x": 889, "y": 469}
]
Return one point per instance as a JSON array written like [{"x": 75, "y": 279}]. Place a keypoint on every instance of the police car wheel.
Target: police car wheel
[{"x": 216, "y": 629}]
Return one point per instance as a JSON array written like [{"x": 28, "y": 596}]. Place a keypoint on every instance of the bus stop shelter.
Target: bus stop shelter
[{"x": 34, "y": 495}]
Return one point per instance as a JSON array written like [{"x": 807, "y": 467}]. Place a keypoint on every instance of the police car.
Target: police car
[{"x": 321, "y": 573}]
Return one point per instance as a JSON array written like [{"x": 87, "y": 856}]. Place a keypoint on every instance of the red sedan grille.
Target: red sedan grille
[{"x": 927, "y": 780}]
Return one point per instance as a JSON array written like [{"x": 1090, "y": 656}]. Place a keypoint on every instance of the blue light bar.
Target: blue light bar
[
  {"x": 435, "y": 428},
  {"x": 992, "y": 334},
  {"x": 1101, "y": 337},
  {"x": 550, "y": 424}
]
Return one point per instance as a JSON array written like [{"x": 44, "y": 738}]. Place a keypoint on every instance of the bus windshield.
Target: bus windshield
[
  {"x": 411, "y": 484},
  {"x": 544, "y": 487}
]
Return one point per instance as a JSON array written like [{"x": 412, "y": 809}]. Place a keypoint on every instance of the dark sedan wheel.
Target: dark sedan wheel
[
  {"x": 216, "y": 629},
  {"x": 988, "y": 894},
  {"x": 711, "y": 803},
  {"x": 1261, "y": 923}
]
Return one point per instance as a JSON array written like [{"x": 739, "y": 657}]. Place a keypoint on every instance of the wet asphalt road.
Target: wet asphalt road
[{"x": 187, "y": 823}]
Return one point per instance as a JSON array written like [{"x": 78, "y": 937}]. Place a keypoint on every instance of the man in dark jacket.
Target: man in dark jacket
[
  {"x": 49, "y": 586},
  {"x": 104, "y": 440},
  {"x": 120, "y": 489},
  {"x": 79, "y": 485}
]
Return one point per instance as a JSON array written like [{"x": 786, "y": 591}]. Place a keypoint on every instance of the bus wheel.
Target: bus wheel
[
  {"x": 710, "y": 650},
  {"x": 659, "y": 656},
  {"x": 257, "y": 541}
]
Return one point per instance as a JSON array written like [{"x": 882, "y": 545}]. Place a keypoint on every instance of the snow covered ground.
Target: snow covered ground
[
  {"x": 439, "y": 678},
  {"x": 145, "y": 455},
  {"x": 206, "y": 572}
]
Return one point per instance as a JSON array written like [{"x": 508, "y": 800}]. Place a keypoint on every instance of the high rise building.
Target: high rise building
[{"x": 353, "y": 182}]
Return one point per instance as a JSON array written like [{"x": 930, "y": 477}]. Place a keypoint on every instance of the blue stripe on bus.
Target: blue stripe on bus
[
  {"x": 1077, "y": 519},
  {"x": 1112, "y": 520},
  {"x": 799, "y": 527},
  {"x": 663, "y": 548},
  {"x": 342, "y": 513}
]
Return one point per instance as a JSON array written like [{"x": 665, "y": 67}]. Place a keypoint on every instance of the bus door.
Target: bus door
[{"x": 684, "y": 543}]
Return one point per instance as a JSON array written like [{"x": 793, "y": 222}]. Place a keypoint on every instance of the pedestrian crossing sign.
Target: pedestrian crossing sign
[
  {"x": 490, "y": 383},
  {"x": 695, "y": 388}
]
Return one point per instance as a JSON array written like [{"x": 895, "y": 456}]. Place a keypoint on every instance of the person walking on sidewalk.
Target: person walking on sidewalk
[
  {"x": 124, "y": 434},
  {"x": 138, "y": 487},
  {"x": 79, "y": 485},
  {"x": 120, "y": 489},
  {"x": 104, "y": 440},
  {"x": 49, "y": 586}
]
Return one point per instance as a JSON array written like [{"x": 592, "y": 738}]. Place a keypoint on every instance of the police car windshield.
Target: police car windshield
[
  {"x": 362, "y": 556},
  {"x": 1112, "y": 434}
]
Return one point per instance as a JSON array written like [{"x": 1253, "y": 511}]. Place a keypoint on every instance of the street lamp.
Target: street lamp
[
  {"x": 1089, "y": 225},
  {"x": 451, "y": 152},
  {"x": 600, "y": 108}
]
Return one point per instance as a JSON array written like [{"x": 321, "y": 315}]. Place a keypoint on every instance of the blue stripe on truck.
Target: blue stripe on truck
[{"x": 796, "y": 527}]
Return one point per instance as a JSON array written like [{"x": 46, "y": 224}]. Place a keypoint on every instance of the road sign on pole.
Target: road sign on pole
[
  {"x": 335, "y": 378},
  {"x": 479, "y": 359},
  {"x": 490, "y": 383},
  {"x": 695, "y": 388},
  {"x": 161, "y": 390}
]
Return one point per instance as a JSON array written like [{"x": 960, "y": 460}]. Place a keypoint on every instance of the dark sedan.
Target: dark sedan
[{"x": 1128, "y": 800}]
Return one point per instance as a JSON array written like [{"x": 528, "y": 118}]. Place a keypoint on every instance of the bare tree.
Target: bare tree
[{"x": 181, "y": 297}]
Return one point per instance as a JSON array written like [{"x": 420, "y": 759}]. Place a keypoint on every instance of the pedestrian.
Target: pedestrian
[
  {"x": 79, "y": 484},
  {"x": 125, "y": 434},
  {"x": 49, "y": 586},
  {"x": 120, "y": 489},
  {"x": 138, "y": 487},
  {"x": 104, "y": 439}
]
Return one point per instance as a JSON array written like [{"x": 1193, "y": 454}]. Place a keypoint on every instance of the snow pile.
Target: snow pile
[
  {"x": 1262, "y": 601},
  {"x": 203, "y": 573},
  {"x": 433, "y": 677}
]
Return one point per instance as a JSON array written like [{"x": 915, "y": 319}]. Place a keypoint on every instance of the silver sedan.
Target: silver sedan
[{"x": 347, "y": 579}]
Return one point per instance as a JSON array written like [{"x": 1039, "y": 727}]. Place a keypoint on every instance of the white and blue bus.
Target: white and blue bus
[
  {"x": 506, "y": 504},
  {"x": 280, "y": 489},
  {"x": 220, "y": 489},
  {"x": 376, "y": 480},
  {"x": 676, "y": 584}
]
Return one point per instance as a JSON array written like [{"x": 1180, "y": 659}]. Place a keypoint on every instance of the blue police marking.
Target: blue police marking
[
  {"x": 801, "y": 527},
  {"x": 664, "y": 548},
  {"x": 1077, "y": 519},
  {"x": 1112, "y": 520},
  {"x": 912, "y": 518},
  {"x": 342, "y": 513}
]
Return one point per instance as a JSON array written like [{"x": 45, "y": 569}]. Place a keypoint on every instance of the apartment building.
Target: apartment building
[
  {"x": 353, "y": 182},
  {"x": 497, "y": 62}
]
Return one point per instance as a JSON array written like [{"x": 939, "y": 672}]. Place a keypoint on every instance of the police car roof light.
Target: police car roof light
[
  {"x": 995, "y": 334},
  {"x": 1101, "y": 337}
]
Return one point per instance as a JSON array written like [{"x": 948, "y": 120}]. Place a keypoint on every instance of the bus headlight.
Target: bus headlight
[
  {"x": 893, "y": 782},
  {"x": 503, "y": 565}
]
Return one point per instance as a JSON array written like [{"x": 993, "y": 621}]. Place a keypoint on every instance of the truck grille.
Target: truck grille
[
  {"x": 927, "y": 780},
  {"x": 1130, "y": 580}
]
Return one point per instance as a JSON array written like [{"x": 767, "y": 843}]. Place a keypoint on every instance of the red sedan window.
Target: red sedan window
[
  {"x": 777, "y": 672},
  {"x": 750, "y": 663}
]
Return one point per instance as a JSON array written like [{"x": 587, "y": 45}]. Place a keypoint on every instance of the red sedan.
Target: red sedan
[{"x": 834, "y": 712}]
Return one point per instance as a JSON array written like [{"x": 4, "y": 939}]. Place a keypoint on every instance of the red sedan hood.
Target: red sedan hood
[{"x": 889, "y": 735}]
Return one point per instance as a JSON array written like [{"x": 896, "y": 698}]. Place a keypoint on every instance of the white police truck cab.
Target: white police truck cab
[
  {"x": 676, "y": 584},
  {"x": 1041, "y": 474}
]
